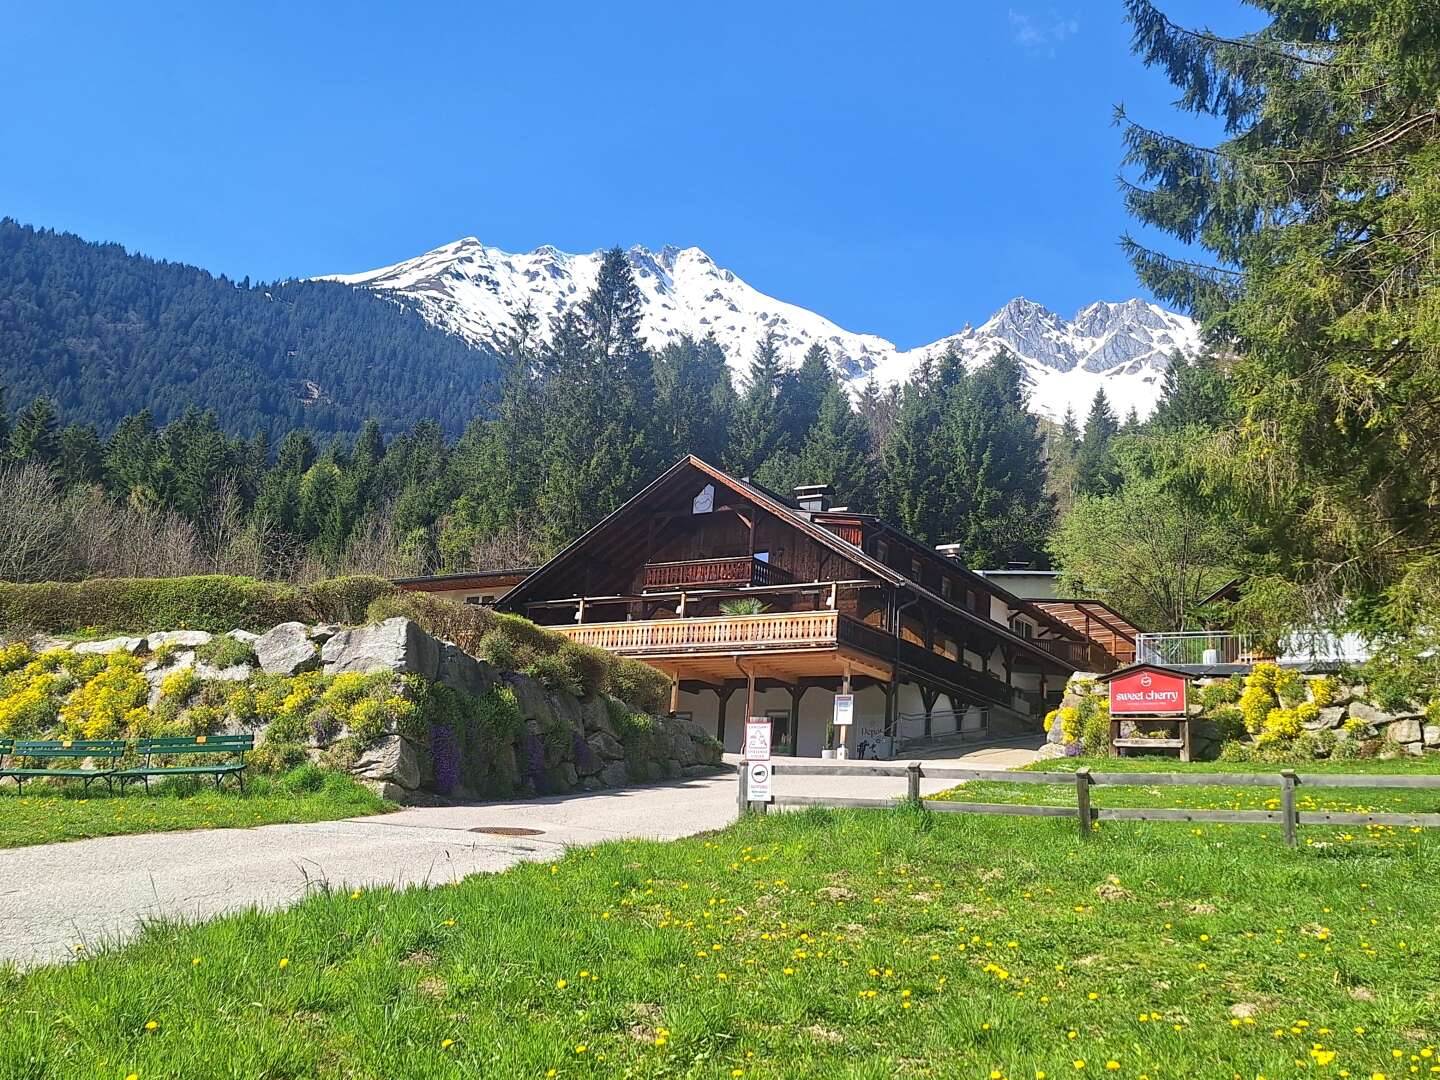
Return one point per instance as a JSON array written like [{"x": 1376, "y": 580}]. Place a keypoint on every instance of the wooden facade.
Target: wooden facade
[{"x": 749, "y": 601}]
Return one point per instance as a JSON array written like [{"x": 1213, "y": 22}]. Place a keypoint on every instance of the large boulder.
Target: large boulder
[
  {"x": 616, "y": 774},
  {"x": 1332, "y": 716},
  {"x": 397, "y": 644},
  {"x": 595, "y": 714},
  {"x": 286, "y": 650},
  {"x": 463, "y": 673},
  {"x": 1404, "y": 731},
  {"x": 1432, "y": 735},
  {"x": 606, "y": 747},
  {"x": 530, "y": 696},
  {"x": 119, "y": 644},
  {"x": 566, "y": 708},
  {"x": 390, "y": 759},
  {"x": 243, "y": 636},
  {"x": 187, "y": 639},
  {"x": 1364, "y": 711},
  {"x": 234, "y": 673}
]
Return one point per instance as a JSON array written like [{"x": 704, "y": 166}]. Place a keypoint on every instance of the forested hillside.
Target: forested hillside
[{"x": 104, "y": 334}]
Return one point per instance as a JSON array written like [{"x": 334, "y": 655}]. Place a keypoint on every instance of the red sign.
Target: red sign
[{"x": 1148, "y": 691}]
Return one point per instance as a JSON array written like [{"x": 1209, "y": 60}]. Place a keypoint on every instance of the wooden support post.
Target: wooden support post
[
  {"x": 1184, "y": 738},
  {"x": 744, "y": 787},
  {"x": 1287, "y": 805},
  {"x": 842, "y": 751},
  {"x": 580, "y": 611},
  {"x": 674, "y": 694},
  {"x": 1082, "y": 801},
  {"x": 722, "y": 696},
  {"x": 912, "y": 782},
  {"x": 749, "y": 695},
  {"x": 797, "y": 691}
]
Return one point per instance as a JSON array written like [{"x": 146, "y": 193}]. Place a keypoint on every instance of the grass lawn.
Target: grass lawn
[
  {"x": 826, "y": 943},
  {"x": 1216, "y": 797},
  {"x": 51, "y": 812}
]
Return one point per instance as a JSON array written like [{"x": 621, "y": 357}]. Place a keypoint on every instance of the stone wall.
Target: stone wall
[{"x": 564, "y": 743}]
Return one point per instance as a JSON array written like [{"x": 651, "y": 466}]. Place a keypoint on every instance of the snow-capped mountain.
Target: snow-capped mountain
[{"x": 474, "y": 291}]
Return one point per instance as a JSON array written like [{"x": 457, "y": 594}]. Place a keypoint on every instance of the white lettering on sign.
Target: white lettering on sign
[
  {"x": 757, "y": 738},
  {"x": 758, "y": 788}
]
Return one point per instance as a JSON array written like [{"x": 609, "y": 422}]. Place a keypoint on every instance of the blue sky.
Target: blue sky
[{"x": 900, "y": 167}]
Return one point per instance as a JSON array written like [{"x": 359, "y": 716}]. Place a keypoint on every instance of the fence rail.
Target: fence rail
[{"x": 1288, "y": 781}]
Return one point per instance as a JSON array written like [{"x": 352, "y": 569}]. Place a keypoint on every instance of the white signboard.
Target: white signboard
[
  {"x": 844, "y": 710},
  {"x": 757, "y": 738},
  {"x": 758, "y": 789}
]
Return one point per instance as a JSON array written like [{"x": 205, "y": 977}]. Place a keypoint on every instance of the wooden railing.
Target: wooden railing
[
  {"x": 1083, "y": 655},
  {"x": 740, "y": 570},
  {"x": 727, "y": 633}
]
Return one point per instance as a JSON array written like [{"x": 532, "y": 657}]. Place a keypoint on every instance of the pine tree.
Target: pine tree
[
  {"x": 836, "y": 451},
  {"x": 35, "y": 437},
  {"x": 1095, "y": 465},
  {"x": 758, "y": 431},
  {"x": 802, "y": 392},
  {"x": 694, "y": 398},
  {"x": 80, "y": 456}
]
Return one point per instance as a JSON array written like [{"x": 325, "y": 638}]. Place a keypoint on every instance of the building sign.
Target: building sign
[
  {"x": 758, "y": 787},
  {"x": 1148, "y": 692},
  {"x": 844, "y": 710},
  {"x": 757, "y": 738}
]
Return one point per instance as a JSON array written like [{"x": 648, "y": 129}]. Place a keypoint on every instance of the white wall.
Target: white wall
[{"x": 816, "y": 709}]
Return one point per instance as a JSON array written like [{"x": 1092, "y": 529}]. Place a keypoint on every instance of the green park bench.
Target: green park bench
[
  {"x": 231, "y": 747},
  {"x": 29, "y": 760}
]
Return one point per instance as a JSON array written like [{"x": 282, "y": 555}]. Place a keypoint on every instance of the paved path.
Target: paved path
[{"x": 55, "y": 896}]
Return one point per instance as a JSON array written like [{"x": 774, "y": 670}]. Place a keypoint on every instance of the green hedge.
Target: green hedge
[{"x": 213, "y": 602}]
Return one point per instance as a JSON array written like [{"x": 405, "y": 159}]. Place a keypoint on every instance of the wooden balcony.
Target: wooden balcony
[
  {"x": 713, "y": 574},
  {"x": 1082, "y": 655},
  {"x": 726, "y": 634}
]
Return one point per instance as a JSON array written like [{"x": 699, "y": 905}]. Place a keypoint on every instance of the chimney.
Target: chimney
[
  {"x": 950, "y": 551},
  {"x": 814, "y": 496}
]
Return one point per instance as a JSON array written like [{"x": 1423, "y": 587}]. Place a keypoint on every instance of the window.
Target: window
[
  {"x": 1025, "y": 630},
  {"x": 916, "y": 569},
  {"x": 704, "y": 503},
  {"x": 945, "y": 588},
  {"x": 779, "y": 730},
  {"x": 762, "y": 556},
  {"x": 882, "y": 551},
  {"x": 472, "y": 599}
]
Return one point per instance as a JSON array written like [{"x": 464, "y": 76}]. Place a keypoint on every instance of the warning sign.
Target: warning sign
[
  {"x": 757, "y": 738},
  {"x": 758, "y": 788}
]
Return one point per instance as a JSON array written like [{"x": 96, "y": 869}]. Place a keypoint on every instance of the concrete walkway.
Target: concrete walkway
[{"x": 85, "y": 892}]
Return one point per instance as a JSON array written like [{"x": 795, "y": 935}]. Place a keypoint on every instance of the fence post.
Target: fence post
[
  {"x": 1287, "y": 805},
  {"x": 1082, "y": 801},
  {"x": 912, "y": 781},
  {"x": 744, "y": 787}
]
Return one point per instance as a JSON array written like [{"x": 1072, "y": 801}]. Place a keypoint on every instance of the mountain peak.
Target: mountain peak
[{"x": 474, "y": 291}]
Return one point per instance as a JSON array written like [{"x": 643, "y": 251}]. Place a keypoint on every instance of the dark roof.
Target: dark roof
[
  {"x": 1130, "y": 669},
  {"x": 781, "y": 507},
  {"x": 464, "y": 575}
]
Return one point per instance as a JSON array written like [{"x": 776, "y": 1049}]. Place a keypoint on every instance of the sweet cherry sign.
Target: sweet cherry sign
[{"x": 1151, "y": 691}]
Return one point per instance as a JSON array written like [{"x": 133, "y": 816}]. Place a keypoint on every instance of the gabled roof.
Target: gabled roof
[
  {"x": 800, "y": 520},
  {"x": 1131, "y": 669}
]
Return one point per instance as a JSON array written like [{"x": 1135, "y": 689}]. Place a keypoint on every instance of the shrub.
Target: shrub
[
  {"x": 1324, "y": 689},
  {"x": 1255, "y": 704},
  {"x": 499, "y": 648},
  {"x": 346, "y": 599},
  {"x": 307, "y": 778},
  {"x": 223, "y": 651},
  {"x": 214, "y": 602},
  {"x": 176, "y": 690},
  {"x": 110, "y": 704},
  {"x": 274, "y": 756},
  {"x": 1229, "y": 722},
  {"x": 556, "y": 671}
]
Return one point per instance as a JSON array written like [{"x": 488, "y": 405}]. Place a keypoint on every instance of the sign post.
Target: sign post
[
  {"x": 757, "y": 760},
  {"x": 1149, "y": 692},
  {"x": 843, "y": 719}
]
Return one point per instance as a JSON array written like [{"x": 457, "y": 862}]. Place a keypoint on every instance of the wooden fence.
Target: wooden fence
[{"x": 1287, "y": 781}]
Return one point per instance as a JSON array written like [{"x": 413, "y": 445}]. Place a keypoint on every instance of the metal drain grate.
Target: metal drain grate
[{"x": 507, "y": 830}]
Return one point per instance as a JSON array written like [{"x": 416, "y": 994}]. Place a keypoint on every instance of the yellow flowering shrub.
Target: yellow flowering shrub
[
  {"x": 1255, "y": 705},
  {"x": 15, "y": 656},
  {"x": 1070, "y": 723},
  {"x": 30, "y": 709},
  {"x": 1282, "y": 724},
  {"x": 1324, "y": 689},
  {"x": 104, "y": 706},
  {"x": 1263, "y": 676}
]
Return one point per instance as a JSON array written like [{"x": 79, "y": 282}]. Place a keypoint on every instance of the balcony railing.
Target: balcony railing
[
  {"x": 1208, "y": 648},
  {"x": 713, "y": 573},
  {"x": 1081, "y": 655},
  {"x": 730, "y": 633}
]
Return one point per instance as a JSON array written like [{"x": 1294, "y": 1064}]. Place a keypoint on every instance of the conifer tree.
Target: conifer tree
[
  {"x": 35, "y": 437},
  {"x": 758, "y": 430},
  {"x": 694, "y": 398},
  {"x": 1097, "y": 474}
]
